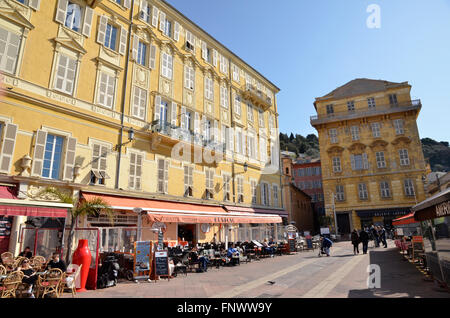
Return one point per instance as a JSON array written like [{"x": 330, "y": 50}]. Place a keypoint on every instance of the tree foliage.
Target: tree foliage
[
  {"x": 437, "y": 153},
  {"x": 300, "y": 144}
]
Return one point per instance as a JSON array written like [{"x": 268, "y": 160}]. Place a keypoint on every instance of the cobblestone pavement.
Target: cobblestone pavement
[{"x": 304, "y": 274}]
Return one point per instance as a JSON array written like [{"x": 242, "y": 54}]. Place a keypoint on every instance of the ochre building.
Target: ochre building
[{"x": 372, "y": 161}]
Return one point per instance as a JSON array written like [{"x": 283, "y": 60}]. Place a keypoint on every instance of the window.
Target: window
[
  {"x": 65, "y": 74},
  {"x": 398, "y": 125},
  {"x": 189, "y": 77},
  {"x": 188, "y": 181},
  {"x": 355, "y": 132},
  {"x": 167, "y": 65},
  {"x": 226, "y": 187},
  {"x": 371, "y": 103},
  {"x": 340, "y": 194},
  {"x": 207, "y": 137},
  {"x": 106, "y": 90},
  {"x": 357, "y": 162},
  {"x": 235, "y": 71},
  {"x": 53, "y": 156},
  {"x": 190, "y": 41},
  {"x": 251, "y": 146},
  {"x": 337, "y": 164},
  {"x": 168, "y": 28},
  {"x": 381, "y": 162},
  {"x": 351, "y": 106},
  {"x": 99, "y": 155},
  {"x": 140, "y": 103},
  {"x": 163, "y": 175},
  {"x": 261, "y": 118},
  {"x": 73, "y": 16},
  {"x": 239, "y": 142},
  {"x": 142, "y": 53},
  {"x": 362, "y": 191},
  {"x": 330, "y": 109},
  {"x": 186, "y": 119},
  {"x": 111, "y": 37},
  {"x": 237, "y": 104},
  {"x": 209, "y": 182},
  {"x": 135, "y": 171},
  {"x": 209, "y": 88},
  {"x": 250, "y": 112},
  {"x": 393, "y": 99},
  {"x": 385, "y": 191},
  {"x": 404, "y": 157},
  {"x": 240, "y": 189},
  {"x": 264, "y": 194},
  {"x": 253, "y": 189},
  {"x": 9, "y": 50},
  {"x": 224, "y": 96},
  {"x": 409, "y": 187},
  {"x": 145, "y": 11},
  {"x": 223, "y": 65},
  {"x": 375, "y": 130},
  {"x": 333, "y": 135},
  {"x": 275, "y": 195}
]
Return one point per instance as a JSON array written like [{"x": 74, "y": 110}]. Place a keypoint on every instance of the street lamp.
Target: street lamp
[{"x": 130, "y": 138}]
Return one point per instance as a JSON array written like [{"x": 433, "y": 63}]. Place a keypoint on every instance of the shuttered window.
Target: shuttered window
[
  {"x": 135, "y": 171},
  {"x": 106, "y": 90},
  {"x": 142, "y": 53},
  {"x": 74, "y": 16},
  {"x": 189, "y": 77},
  {"x": 240, "y": 189},
  {"x": 398, "y": 125},
  {"x": 381, "y": 162},
  {"x": 53, "y": 157},
  {"x": 226, "y": 187},
  {"x": 167, "y": 65},
  {"x": 275, "y": 195},
  {"x": 385, "y": 190},
  {"x": 336, "y": 164},
  {"x": 404, "y": 157},
  {"x": 99, "y": 156},
  {"x": 250, "y": 112},
  {"x": 145, "y": 11},
  {"x": 111, "y": 37},
  {"x": 264, "y": 194},
  {"x": 188, "y": 181},
  {"x": 224, "y": 96},
  {"x": 340, "y": 194},
  {"x": 209, "y": 88},
  {"x": 139, "y": 103},
  {"x": 163, "y": 175},
  {"x": 236, "y": 71},
  {"x": 237, "y": 104},
  {"x": 8, "y": 134},
  {"x": 261, "y": 118},
  {"x": 362, "y": 191},
  {"x": 209, "y": 176},
  {"x": 409, "y": 187},
  {"x": 65, "y": 74},
  {"x": 253, "y": 189},
  {"x": 9, "y": 50}
]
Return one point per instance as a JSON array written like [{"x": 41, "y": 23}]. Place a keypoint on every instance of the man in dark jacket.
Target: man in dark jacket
[
  {"x": 375, "y": 236},
  {"x": 355, "y": 241},
  {"x": 383, "y": 237},
  {"x": 364, "y": 238},
  {"x": 55, "y": 262}
]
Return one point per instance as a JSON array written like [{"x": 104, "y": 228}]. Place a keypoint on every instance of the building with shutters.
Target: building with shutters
[
  {"x": 372, "y": 161},
  {"x": 130, "y": 100}
]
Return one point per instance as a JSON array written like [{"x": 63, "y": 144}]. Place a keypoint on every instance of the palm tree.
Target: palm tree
[{"x": 91, "y": 207}]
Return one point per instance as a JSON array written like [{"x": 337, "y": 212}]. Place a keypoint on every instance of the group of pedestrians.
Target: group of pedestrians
[{"x": 377, "y": 233}]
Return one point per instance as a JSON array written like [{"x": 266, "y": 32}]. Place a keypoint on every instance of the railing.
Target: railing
[{"x": 377, "y": 110}]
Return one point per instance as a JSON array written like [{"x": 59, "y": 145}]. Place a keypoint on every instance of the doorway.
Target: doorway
[
  {"x": 343, "y": 223},
  {"x": 188, "y": 233}
]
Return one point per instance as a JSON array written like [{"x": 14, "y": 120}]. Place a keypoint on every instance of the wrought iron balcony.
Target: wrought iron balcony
[
  {"x": 258, "y": 97},
  {"x": 368, "y": 112}
]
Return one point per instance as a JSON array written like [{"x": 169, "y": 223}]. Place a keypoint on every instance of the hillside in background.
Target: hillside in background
[{"x": 437, "y": 153}]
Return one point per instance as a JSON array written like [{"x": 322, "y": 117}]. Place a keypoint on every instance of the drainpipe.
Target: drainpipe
[
  {"x": 124, "y": 93},
  {"x": 234, "y": 140}
]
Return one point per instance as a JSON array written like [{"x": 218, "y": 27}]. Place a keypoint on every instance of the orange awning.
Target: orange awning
[{"x": 167, "y": 211}]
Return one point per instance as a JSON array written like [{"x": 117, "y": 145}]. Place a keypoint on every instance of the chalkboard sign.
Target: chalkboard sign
[
  {"x": 292, "y": 246},
  {"x": 162, "y": 263}
]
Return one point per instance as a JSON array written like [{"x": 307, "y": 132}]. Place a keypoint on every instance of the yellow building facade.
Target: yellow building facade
[
  {"x": 132, "y": 99},
  {"x": 372, "y": 160}
]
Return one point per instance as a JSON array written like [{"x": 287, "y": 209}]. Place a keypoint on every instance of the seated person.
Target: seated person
[
  {"x": 26, "y": 252},
  {"x": 267, "y": 248},
  {"x": 29, "y": 276},
  {"x": 195, "y": 255},
  {"x": 55, "y": 262},
  {"x": 232, "y": 253}
]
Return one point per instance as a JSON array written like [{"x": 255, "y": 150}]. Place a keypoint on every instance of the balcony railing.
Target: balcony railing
[
  {"x": 373, "y": 111},
  {"x": 257, "y": 96}
]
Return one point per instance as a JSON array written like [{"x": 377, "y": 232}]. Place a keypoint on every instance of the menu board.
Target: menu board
[
  {"x": 142, "y": 258},
  {"x": 162, "y": 263},
  {"x": 5, "y": 225},
  {"x": 292, "y": 246}
]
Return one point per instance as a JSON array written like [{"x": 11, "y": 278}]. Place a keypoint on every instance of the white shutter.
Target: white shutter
[
  {"x": 231, "y": 139},
  {"x": 183, "y": 118},
  {"x": 203, "y": 127},
  {"x": 157, "y": 105},
  {"x": 249, "y": 152},
  {"x": 197, "y": 126},
  {"x": 204, "y": 51},
  {"x": 243, "y": 143},
  {"x": 123, "y": 40},
  {"x": 34, "y": 4},
  {"x": 216, "y": 131},
  {"x": 152, "y": 57},
  {"x": 39, "y": 151},
  {"x": 127, "y": 4},
  {"x": 162, "y": 21},
  {"x": 352, "y": 159},
  {"x": 176, "y": 31},
  {"x": 155, "y": 15},
  {"x": 9, "y": 141},
  {"x": 215, "y": 57},
  {"x": 102, "y": 29},
  {"x": 61, "y": 11},
  {"x": 70, "y": 158},
  {"x": 365, "y": 161},
  {"x": 270, "y": 194},
  {"x": 87, "y": 26},
  {"x": 166, "y": 176},
  {"x": 134, "y": 49},
  {"x": 174, "y": 114}
]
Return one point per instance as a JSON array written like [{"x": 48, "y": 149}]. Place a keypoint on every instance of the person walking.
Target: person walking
[
  {"x": 355, "y": 242},
  {"x": 364, "y": 238},
  {"x": 375, "y": 236},
  {"x": 383, "y": 236}
]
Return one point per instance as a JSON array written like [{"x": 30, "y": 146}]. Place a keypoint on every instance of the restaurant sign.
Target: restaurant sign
[{"x": 443, "y": 209}]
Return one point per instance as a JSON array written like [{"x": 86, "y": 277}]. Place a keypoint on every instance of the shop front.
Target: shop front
[
  {"x": 381, "y": 217},
  {"x": 434, "y": 217}
]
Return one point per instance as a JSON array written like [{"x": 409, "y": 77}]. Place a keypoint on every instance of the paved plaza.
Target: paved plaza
[{"x": 303, "y": 274}]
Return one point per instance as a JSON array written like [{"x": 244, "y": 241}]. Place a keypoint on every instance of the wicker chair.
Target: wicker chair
[
  {"x": 10, "y": 284},
  {"x": 18, "y": 261},
  {"x": 38, "y": 263},
  {"x": 8, "y": 260},
  {"x": 3, "y": 270},
  {"x": 72, "y": 286},
  {"x": 50, "y": 283}
]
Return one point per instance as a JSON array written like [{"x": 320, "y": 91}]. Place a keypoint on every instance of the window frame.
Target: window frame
[
  {"x": 385, "y": 190},
  {"x": 52, "y": 159},
  {"x": 380, "y": 159},
  {"x": 405, "y": 154}
]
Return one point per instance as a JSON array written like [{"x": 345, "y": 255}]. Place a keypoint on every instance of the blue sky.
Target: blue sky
[{"x": 308, "y": 48}]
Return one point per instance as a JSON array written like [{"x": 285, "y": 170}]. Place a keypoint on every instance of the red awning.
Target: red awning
[
  {"x": 166, "y": 211},
  {"x": 407, "y": 219},
  {"x": 233, "y": 208},
  {"x": 10, "y": 205}
]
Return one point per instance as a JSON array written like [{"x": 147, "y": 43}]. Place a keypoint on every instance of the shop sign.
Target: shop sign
[{"x": 443, "y": 209}]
